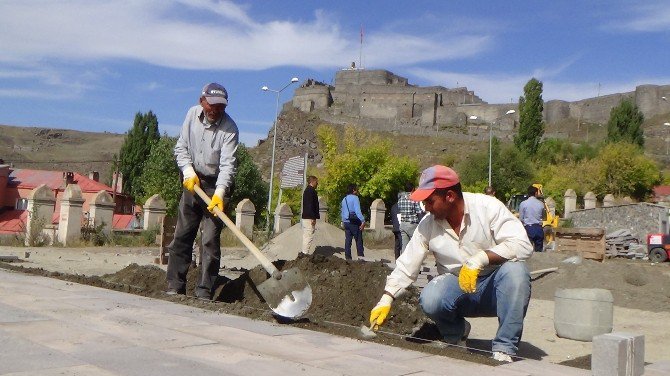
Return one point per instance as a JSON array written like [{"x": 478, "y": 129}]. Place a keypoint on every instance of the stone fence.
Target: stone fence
[{"x": 640, "y": 218}]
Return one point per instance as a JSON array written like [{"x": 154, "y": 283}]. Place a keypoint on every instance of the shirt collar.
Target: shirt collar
[{"x": 205, "y": 123}]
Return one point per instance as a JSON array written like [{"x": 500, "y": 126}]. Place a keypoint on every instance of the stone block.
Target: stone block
[{"x": 618, "y": 354}]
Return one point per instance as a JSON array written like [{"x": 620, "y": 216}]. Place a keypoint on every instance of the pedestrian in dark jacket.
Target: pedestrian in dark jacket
[
  {"x": 310, "y": 213},
  {"x": 396, "y": 230}
]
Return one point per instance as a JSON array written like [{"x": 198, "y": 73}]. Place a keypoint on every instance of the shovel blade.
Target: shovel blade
[{"x": 289, "y": 296}]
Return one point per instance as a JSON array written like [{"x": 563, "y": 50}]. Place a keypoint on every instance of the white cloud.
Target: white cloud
[
  {"x": 503, "y": 88},
  {"x": 176, "y": 33},
  {"x": 643, "y": 17}
]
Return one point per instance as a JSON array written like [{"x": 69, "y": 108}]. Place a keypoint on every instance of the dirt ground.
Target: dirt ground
[{"x": 345, "y": 291}]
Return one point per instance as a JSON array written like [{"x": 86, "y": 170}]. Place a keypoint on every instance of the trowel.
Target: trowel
[{"x": 287, "y": 292}]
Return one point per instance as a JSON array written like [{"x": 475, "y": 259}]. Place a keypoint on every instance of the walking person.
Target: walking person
[
  {"x": 410, "y": 214},
  {"x": 205, "y": 153},
  {"x": 479, "y": 247},
  {"x": 395, "y": 221},
  {"x": 531, "y": 211},
  {"x": 353, "y": 221},
  {"x": 310, "y": 213}
]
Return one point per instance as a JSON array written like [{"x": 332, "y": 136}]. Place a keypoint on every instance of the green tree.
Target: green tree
[
  {"x": 161, "y": 174},
  {"x": 364, "y": 160},
  {"x": 531, "y": 125},
  {"x": 580, "y": 176},
  {"x": 624, "y": 170},
  {"x": 625, "y": 124},
  {"x": 558, "y": 151},
  {"x": 134, "y": 151},
  {"x": 511, "y": 171},
  {"x": 248, "y": 184}
]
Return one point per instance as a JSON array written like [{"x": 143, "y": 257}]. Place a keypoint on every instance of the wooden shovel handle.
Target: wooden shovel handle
[{"x": 267, "y": 265}]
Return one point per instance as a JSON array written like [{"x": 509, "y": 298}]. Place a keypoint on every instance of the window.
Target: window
[{"x": 22, "y": 204}]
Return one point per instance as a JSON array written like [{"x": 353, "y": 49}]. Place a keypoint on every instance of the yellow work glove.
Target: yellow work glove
[
  {"x": 380, "y": 311},
  {"x": 467, "y": 278},
  {"x": 190, "y": 179},
  {"x": 217, "y": 201}
]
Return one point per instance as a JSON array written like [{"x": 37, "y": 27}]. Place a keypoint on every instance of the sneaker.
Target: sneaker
[
  {"x": 172, "y": 292},
  {"x": 502, "y": 357}
]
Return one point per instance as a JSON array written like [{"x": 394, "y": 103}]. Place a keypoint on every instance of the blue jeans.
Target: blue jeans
[
  {"x": 352, "y": 231},
  {"x": 536, "y": 236},
  {"x": 503, "y": 293}
]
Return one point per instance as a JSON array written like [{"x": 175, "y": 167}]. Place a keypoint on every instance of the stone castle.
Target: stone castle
[{"x": 381, "y": 100}]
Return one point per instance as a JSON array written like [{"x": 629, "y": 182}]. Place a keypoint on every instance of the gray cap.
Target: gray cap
[{"x": 215, "y": 94}]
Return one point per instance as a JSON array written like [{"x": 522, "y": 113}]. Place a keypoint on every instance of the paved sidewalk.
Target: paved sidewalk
[{"x": 54, "y": 327}]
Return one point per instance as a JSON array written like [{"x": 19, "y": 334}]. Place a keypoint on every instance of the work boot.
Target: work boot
[
  {"x": 444, "y": 343},
  {"x": 173, "y": 292},
  {"x": 464, "y": 337}
]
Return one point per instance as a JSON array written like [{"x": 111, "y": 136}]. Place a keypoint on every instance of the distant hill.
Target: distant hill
[{"x": 59, "y": 149}]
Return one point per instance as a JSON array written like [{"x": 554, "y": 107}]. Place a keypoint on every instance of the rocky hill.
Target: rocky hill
[{"x": 59, "y": 149}]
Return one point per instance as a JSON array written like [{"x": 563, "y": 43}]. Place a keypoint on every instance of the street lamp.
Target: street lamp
[
  {"x": 667, "y": 139},
  {"x": 491, "y": 143},
  {"x": 274, "y": 144}
]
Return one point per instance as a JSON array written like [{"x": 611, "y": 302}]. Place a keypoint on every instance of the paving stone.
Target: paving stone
[
  {"x": 236, "y": 361},
  {"x": 14, "y": 314},
  {"x": 536, "y": 367},
  {"x": 84, "y": 370},
  {"x": 83, "y": 330},
  {"x": 20, "y": 355}
]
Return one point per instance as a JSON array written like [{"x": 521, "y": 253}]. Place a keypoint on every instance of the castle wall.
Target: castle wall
[
  {"x": 380, "y": 98},
  {"x": 368, "y": 77},
  {"x": 314, "y": 97},
  {"x": 649, "y": 99}
]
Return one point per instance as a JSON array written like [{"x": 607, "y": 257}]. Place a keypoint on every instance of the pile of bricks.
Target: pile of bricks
[{"x": 622, "y": 243}]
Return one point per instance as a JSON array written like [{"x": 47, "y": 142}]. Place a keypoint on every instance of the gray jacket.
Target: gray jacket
[{"x": 209, "y": 149}]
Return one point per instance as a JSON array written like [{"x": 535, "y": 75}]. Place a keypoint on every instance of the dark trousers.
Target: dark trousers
[
  {"x": 536, "y": 236},
  {"x": 352, "y": 231},
  {"x": 398, "y": 244},
  {"x": 192, "y": 211}
]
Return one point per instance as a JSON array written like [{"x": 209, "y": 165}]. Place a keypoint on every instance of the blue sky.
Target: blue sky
[{"x": 92, "y": 64}]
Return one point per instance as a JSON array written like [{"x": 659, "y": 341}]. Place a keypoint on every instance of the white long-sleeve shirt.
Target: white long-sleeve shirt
[
  {"x": 208, "y": 148},
  {"x": 487, "y": 225}
]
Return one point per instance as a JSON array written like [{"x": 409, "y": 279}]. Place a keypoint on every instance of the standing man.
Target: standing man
[
  {"x": 353, "y": 220},
  {"x": 310, "y": 213},
  {"x": 395, "y": 220},
  {"x": 479, "y": 247},
  {"x": 530, "y": 214},
  {"x": 205, "y": 154},
  {"x": 490, "y": 191},
  {"x": 410, "y": 213}
]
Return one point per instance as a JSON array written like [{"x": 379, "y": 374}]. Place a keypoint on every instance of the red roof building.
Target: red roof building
[{"x": 16, "y": 185}]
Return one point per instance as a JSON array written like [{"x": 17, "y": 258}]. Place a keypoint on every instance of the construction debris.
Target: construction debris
[{"x": 622, "y": 243}]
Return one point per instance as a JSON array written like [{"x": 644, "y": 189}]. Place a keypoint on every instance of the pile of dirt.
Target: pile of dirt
[{"x": 634, "y": 283}]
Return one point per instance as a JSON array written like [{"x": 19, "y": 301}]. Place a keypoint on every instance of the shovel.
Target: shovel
[{"x": 287, "y": 292}]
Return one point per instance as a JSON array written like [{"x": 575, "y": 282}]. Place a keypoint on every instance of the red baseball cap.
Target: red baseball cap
[{"x": 432, "y": 178}]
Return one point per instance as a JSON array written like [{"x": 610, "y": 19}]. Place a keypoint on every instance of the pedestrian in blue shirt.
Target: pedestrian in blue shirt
[
  {"x": 530, "y": 214},
  {"x": 353, "y": 221}
]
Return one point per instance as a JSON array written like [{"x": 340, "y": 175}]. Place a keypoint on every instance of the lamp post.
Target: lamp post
[
  {"x": 491, "y": 143},
  {"x": 667, "y": 138},
  {"x": 274, "y": 144}
]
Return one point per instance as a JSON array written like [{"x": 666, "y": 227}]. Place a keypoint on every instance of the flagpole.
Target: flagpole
[{"x": 360, "y": 51}]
